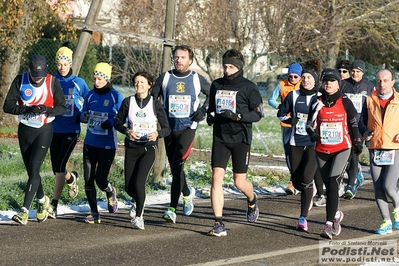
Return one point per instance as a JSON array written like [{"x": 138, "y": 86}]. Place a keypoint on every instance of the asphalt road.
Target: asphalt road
[{"x": 272, "y": 240}]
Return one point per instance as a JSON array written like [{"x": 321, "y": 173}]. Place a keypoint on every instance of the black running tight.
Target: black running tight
[{"x": 34, "y": 144}]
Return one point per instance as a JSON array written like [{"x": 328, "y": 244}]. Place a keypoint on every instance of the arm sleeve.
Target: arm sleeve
[
  {"x": 162, "y": 120},
  {"x": 363, "y": 121},
  {"x": 11, "y": 105},
  {"x": 156, "y": 91},
  {"x": 205, "y": 89},
  {"x": 285, "y": 108},
  {"x": 255, "y": 102},
  {"x": 274, "y": 96},
  {"x": 212, "y": 92},
  {"x": 120, "y": 118}
]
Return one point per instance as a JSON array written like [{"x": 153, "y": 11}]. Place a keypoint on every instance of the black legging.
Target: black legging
[
  {"x": 34, "y": 144},
  {"x": 178, "y": 147},
  {"x": 97, "y": 163},
  {"x": 331, "y": 167},
  {"x": 138, "y": 164},
  {"x": 303, "y": 169},
  {"x": 61, "y": 148}
]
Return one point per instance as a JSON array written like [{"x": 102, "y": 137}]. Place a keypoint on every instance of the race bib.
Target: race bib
[
  {"x": 70, "y": 104},
  {"x": 331, "y": 133},
  {"x": 300, "y": 127},
  {"x": 383, "y": 157},
  {"x": 143, "y": 129},
  {"x": 32, "y": 120},
  {"x": 95, "y": 121},
  {"x": 179, "y": 106},
  {"x": 225, "y": 100},
  {"x": 357, "y": 101}
]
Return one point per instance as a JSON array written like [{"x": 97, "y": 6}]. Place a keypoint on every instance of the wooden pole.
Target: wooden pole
[{"x": 85, "y": 36}]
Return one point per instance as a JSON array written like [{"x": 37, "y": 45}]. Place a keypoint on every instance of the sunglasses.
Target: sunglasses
[
  {"x": 293, "y": 77},
  {"x": 343, "y": 71}
]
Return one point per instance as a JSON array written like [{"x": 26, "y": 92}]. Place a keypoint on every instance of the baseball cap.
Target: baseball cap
[
  {"x": 38, "y": 66},
  {"x": 331, "y": 74}
]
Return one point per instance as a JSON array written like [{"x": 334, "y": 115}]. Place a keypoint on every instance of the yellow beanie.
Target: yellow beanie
[
  {"x": 64, "y": 53},
  {"x": 104, "y": 70}
]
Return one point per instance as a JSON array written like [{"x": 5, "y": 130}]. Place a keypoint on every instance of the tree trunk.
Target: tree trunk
[{"x": 11, "y": 64}]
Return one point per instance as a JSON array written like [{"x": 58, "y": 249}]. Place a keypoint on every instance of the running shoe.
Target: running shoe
[
  {"x": 93, "y": 218},
  {"x": 73, "y": 188},
  {"x": 339, "y": 216},
  {"x": 113, "y": 202},
  {"x": 341, "y": 190},
  {"x": 21, "y": 217},
  {"x": 253, "y": 211},
  {"x": 385, "y": 228},
  {"x": 170, "y": 215},
  {"x": 138, "y": 223},
  {"x": 359, "y": 177},
  {"x": 188, "y": 205},
  {"x": 350, "y": 193},
  {"x": 321, "y": 201},
  {"x": 290, "y": 190},
  {"x": 327, "y": 232},
  {"x": 52, "y": 212},
  {"x": 302, "y": 224},
  {"x": 218, "y": 230},
  {"x": 132, "y": 212},
  {"x": 396, "y": 218},
  {"x": 41, "y": 212}
]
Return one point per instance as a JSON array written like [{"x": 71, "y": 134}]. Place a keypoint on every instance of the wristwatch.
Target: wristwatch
[{"x": 239, "y": 116}]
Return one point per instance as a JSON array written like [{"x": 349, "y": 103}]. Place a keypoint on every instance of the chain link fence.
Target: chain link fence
[{"x": 129, "y": 56}]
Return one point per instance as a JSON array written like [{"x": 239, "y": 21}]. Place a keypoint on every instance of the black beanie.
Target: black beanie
[
  {"x": 359, "y": 64},
  {"x": 311, "y": 72}
]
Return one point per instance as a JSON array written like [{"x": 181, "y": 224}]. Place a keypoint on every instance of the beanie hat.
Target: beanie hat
[
  {"x": 311, "y": 72},
  {"x": 358, "y": 64},
  {"x": 104, "y": 70},
  {"x": 64, "y": 53},
  {"x": 295, "y": 68},
  {"x": 38, "y": 66},
  {"x": 345, "y": 64}
]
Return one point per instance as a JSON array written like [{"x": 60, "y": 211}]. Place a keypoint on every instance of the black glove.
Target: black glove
[
  {"x": 85, "y": 118},
  {"x": 230, "y": 115},
  {"x": 26, "y": 109},
  {"x": 210, "y": 119},
  {"x": 357, "y": 146},
  {"x": 312, "y": 135},
  {"x": 39, "y": 109},
  {"x": 77, "y": 121},
  {"x": 199, "y": 115},
  {"x": 106, "y": 124},
  {"x": 294, "y": 121}
]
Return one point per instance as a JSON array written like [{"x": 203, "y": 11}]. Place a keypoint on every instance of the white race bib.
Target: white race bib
[
  {"x": 225, "y": 100},
  {"x": 300, "y": 127},
  {"x": 179, "y": 106},
  {"x": 331, "y": 133},
  {"x": 95, "y": 121},
  {"x": 383, "y": 157},
  {"x": 70, "y": 104}
]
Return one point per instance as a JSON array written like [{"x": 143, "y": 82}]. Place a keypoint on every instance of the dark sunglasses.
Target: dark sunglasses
[
  {"x": 343, "y": 71},
  {"x": 293, "y": 77}
]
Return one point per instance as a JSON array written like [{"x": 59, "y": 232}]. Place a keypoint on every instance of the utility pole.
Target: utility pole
[
  {"x": 85, "y": 36},
  {"x": 169, "y": 33},
  {"x": 159, "y": 166}
]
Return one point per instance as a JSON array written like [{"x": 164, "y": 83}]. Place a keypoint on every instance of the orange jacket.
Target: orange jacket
[
  {"x": 384, "y": 130},
  {"x": 285, "y": 88}
]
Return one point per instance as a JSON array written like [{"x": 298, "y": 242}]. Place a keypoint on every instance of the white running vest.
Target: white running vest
[{"x": 142, "y": 120}]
